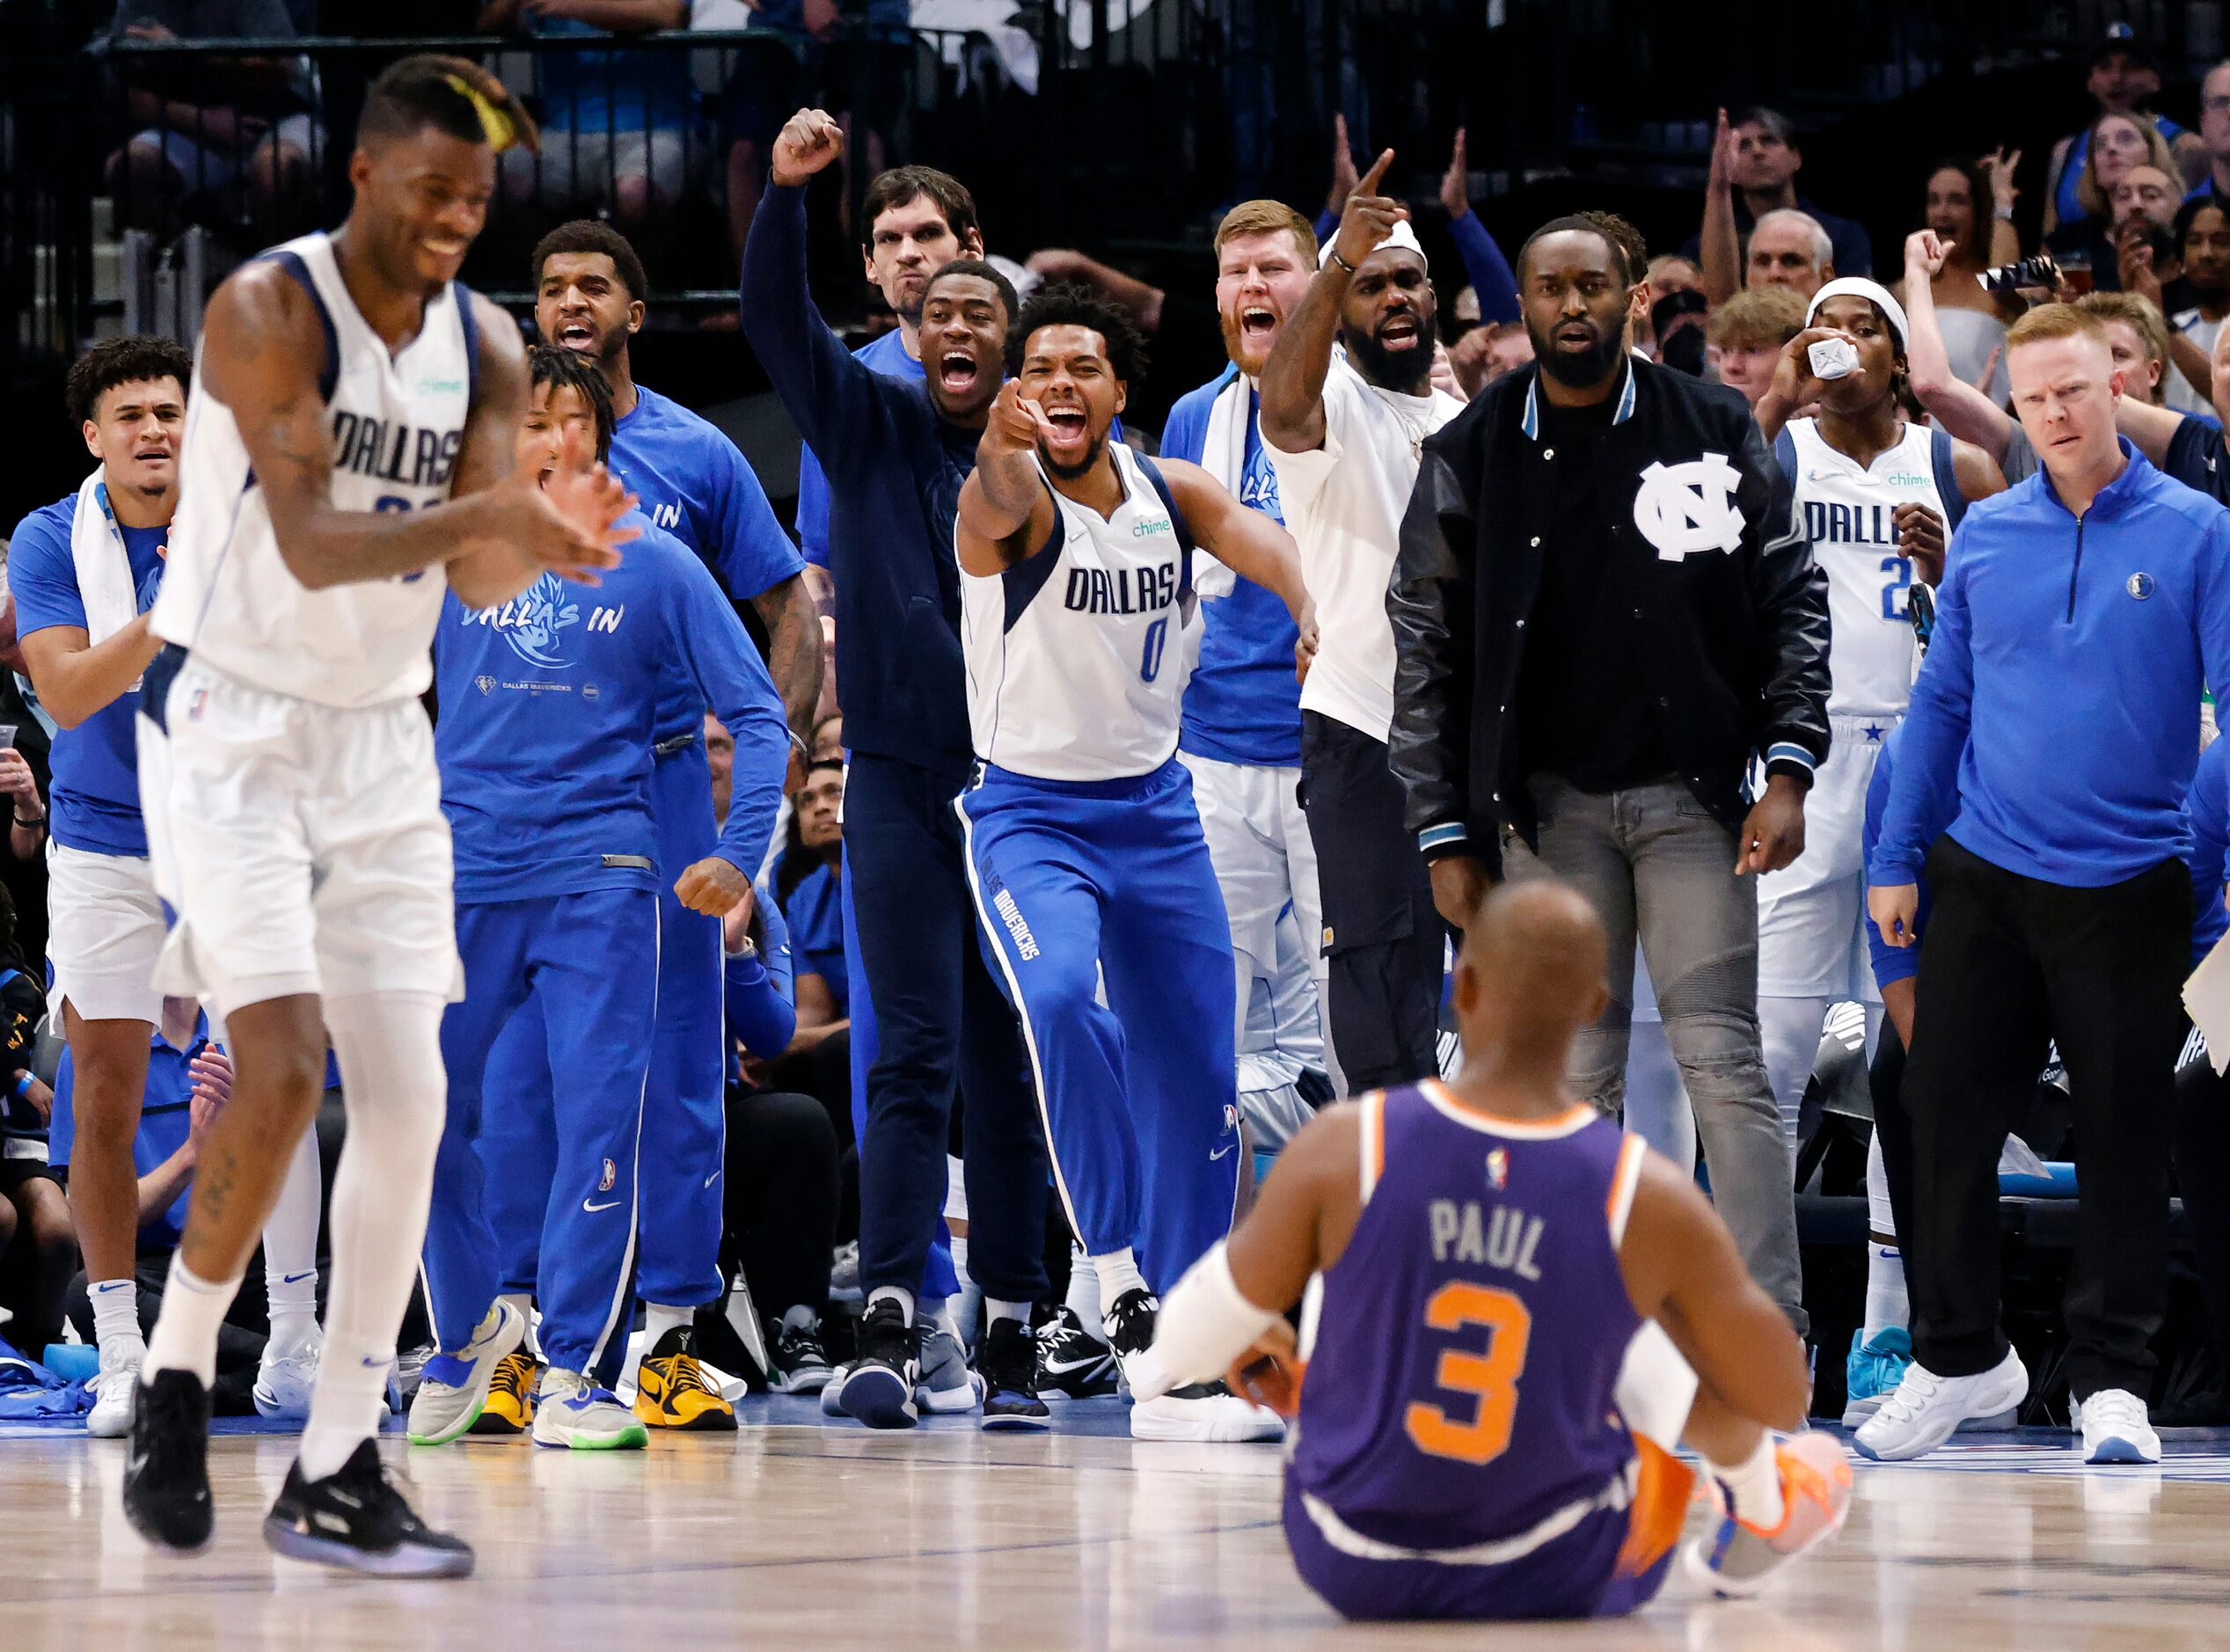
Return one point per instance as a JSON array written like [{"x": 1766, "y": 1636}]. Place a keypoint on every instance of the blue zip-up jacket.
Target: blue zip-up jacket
[
  {"x": 894, "y": 472},
  {"x": 548, "y": 715},
  {"x": 2058, "y": 708},
  {"x": 2207, "y": 813},
  {"x": 762, "y": 1014}
]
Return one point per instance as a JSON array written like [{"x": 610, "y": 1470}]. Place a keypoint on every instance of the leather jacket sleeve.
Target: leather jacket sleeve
[
  {"x": 1431, "y": 604},
  {"x": 1788, "y": 591}
]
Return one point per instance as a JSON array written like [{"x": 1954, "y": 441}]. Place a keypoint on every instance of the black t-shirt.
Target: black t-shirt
[
  {"x": 2196, "y": 458},
  {"x": 1584, "y": 712}
]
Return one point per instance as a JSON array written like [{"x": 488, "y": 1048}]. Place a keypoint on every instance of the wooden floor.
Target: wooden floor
[{"x": 794, "y": 1533}]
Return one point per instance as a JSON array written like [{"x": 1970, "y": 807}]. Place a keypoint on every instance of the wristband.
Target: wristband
[
  {"x": 21, "y": 1089},
  {"x": 28, "y": 824},
  {"x": 2006, "y": 214},
  {"x": 1333, "y": 254}
]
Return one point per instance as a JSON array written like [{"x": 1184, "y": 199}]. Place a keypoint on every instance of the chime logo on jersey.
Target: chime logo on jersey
[
  {"x": 1685, "y": 509},
  {"x": 531, "y": 621}
]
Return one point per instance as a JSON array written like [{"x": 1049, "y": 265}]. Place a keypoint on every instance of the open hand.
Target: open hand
[
  {"x": 571, "y": 522},
  {"x": 1342, "y": 166},
  {"x": 807, "y": 141},
  {"x": 1999, "y": 167},
  {"x": 1721, "y": 174},
  {"x": 1455, "y": 183}
]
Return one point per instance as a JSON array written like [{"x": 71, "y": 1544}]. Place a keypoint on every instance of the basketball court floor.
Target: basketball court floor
[{"x": 798, "y": 1533}]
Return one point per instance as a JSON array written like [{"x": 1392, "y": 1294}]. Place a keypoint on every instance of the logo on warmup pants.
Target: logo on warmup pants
[
  {"x": 610, "y": 1175},
  {"x": 1683, "y": 509},
  {"x": 1025, "y": 946}
]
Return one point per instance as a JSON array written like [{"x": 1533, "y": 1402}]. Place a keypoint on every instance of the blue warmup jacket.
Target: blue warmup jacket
[
  {"x": 894, "y": 472},
  {"x": 2207, "y": 813},
  {"x": 2056, "y": 721},
  {"x": 548, "y": 708}
]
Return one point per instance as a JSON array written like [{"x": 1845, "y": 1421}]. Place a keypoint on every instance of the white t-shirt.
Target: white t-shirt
[
  {"x": 2176, "y": 390},
  {"x": 1343, "y": 503}
]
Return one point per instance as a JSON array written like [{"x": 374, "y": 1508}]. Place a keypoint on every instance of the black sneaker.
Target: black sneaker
[
  {"x": 878, "y": 1388},
  {"x": 800, "y": 1364},
  {"x": 166, "y": 1468},
  {"x": 358, "y": 1519},
  {"x": 1007, "y": 1362},
  {"x": 1072, "y": 1363}
]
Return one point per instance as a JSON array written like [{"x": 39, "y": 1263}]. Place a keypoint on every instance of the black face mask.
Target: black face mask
[{"x": 1678, "y": 318}]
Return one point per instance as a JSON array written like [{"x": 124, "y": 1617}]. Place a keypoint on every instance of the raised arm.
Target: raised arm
[
  {"x": 1489, "y": 271},
  {"x": 1962, "y": 409},
  {"x": 1292, "y": 416},
  {"x": 1719, "y": 246},
  {"x": 261, "y": 349},
  {"x": 1250, "y": 543},
  {"x": 1006, "y": 511}
]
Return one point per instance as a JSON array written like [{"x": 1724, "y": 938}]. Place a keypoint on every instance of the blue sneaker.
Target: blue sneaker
[{"x": 1874, "y": 1370}]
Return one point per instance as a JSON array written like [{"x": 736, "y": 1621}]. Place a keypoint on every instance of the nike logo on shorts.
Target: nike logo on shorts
[
  {"x": 1220, "y": 1152},
  {"x": 592, "y": 1207}
]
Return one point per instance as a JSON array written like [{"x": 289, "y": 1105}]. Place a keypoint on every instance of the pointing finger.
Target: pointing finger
[{"x": 1368, "y": 186}]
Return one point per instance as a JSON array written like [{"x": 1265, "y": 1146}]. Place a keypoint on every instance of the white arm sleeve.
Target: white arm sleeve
[{"x": 1206, "y": 1324}]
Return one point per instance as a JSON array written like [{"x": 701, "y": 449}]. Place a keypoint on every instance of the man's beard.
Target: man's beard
[
  {"x": 1579, "y": 371},
  {"x": 1235, "y": 348},
  {"x": 1081, "y": 468},
  {"x": 1406, "y": 372}
]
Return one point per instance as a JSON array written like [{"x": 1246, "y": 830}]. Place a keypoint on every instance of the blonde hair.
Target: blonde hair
[
  {"x": 2089, "y": 192},
  {"x": 2143, "y": 315},
  {"x": 2048, "y": 324},
  {"x": 1757, "y": 318},
  {"x": 1268, "y": 217}
]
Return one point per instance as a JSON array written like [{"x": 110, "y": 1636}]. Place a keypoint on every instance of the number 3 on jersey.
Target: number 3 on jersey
[{"x": 1489, "y": 1379}]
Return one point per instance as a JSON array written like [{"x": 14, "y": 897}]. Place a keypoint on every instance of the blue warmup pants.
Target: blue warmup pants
[
  {"x": 1085, "y": 882},
  {"x": 516, "y": 1136},
  {"x": 570, "y": 949},
  {"x": 939, "y": 1279},
  {"x": 940, "y": 1019}
]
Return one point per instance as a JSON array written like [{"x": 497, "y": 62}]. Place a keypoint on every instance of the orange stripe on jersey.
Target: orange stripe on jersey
[
  {"x": 1372, "y": 1144},
  {"x": 1661, "y": 1494},
  {"x": 1619, "y": 1203}
]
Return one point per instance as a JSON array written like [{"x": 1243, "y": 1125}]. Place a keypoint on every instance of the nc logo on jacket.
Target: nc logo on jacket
[{"x": 1683, "y": 510}]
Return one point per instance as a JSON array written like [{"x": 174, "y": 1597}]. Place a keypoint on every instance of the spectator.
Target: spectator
[
  {"x": 2137, "y": 336},
  {"x": 1747, "y": 334},
  {"x": 1790, "y": 249},
  {"x": 1754, "y": 161},
  {"x": 813, "y": 911},
  {"x": 2214, "y": 132},
  {"x": 2202, "y": 236},
  {"x": 24, "y": 875},
  {"x": 2062, "y": 907},
  {"x": 228, "y": 138},
  {"x": 776, "y": 71},
  {"x": 1970, "y": 207},
  {"x": 1486, "y": 353},
  {"x": 2125, "y": 78},
  {"x": 2084, "y": 243},
  {"x": 1638, "y": 708},
  {"x": 35, "y": 1228},
  {"x": 612, "y": 122}
]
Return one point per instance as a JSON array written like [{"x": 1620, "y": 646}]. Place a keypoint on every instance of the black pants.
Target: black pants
[
  {"x": 782, "y": 1198},
  {"x": 2203, "y": 1177},
  {"x": 2010, "y": 963},
  {"x": 939, "y": 1017},
  {"x": 1381, "y": 930},
  {"x": 1894, "y": 1126}
]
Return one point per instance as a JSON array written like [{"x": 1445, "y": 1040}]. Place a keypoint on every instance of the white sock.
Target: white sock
[
  {"x": 185, "y": 1331},
  {"x": 1887, "y": 1304},
  {"x": 290, "y": 1253},
  {"x": 898, "y": 1294},
  {"x": 1083, "y": 1300},
  {"x": 660, "y": 1318},
  {"x": 994, "y": 1311},
  {"x": 1753, "y": 1486},
  {"x": 116, "y": 1317},
  {"x": 389, "y": 1046},
  {"x": 1118, "y": 1272}
]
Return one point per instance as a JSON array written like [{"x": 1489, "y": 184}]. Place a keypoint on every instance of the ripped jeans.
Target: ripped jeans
[{"x": 1654, "y": 861}]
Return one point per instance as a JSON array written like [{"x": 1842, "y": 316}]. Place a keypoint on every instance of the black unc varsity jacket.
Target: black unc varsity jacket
[{"x": 1734, "y": 615}]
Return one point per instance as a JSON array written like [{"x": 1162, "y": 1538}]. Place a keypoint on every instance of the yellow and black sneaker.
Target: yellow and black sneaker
[
  {"x": 510, "y": 1403},
  {"x": 670, "y": 1389}
]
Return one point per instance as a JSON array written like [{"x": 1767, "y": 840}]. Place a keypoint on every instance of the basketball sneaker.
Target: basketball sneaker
[
  {"x": 1926, "y": 1408},
  {"x": 113, "y": 1388},
  {"x": 1006, "y": 1365},
  {"x": 1737, "y": 1558},
  {"x": 283, "y": 1383},
  {"x": 357, "y": 1518},
  {"x": 1872, "y": 1372},
  {"x": 943, "y": 1381},
  {"x": 571, "y": 1412},
  {"x": 1198, "y": 1411},
  {"x": 2116, "y": 1429},
  {"x": 166, "y": 1468},
  {"x": 878, "y": 1387},
  {"x": 797, "y": 1362},
  {"x": 453, "y": 1388},
  {"x": 510, "y": 1402},
  {"x": 1072, "y": 1363},
  {"x": 672, "y": 1393}
]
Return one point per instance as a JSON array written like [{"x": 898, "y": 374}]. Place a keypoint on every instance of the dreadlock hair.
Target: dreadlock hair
[
  {"x": 1070, "y": 305},
  {"x": 568, "y": 370}
]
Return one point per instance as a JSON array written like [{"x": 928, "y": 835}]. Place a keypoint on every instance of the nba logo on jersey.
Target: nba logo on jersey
[
  {"x": 610, "y": 1175},
  {"x": 1498, "y": 1169},
  {"x": 197, "y": 706}
]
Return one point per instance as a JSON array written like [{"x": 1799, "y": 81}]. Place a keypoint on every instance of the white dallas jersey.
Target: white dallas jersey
[
  {"x": 1078, "y": 657},
  {"x": 397, "y": 424},
  {"x": 1848, "y": 510}
]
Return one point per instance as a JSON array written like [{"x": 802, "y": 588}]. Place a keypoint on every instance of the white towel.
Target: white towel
[
  {"x": 104, "y": 568},
  {"x": 1223, "y": 455}
]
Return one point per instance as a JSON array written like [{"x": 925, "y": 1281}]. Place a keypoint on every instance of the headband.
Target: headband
[
  {"x": 1400, "y": 235},
  {"x": 1859, "y": 287}
]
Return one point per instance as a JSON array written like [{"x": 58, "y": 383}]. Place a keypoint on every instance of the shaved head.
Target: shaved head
[{"x": 1533, "y": 971}]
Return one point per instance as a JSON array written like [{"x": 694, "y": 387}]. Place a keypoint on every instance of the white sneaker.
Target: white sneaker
[
  {"x": 111, "y": 1390},
  {"x": 284, "y": 1382},
  {"x": 453, "y": 1387},
  {"x": 944, "y": 1382},
  {"x": 1207, "y": 1413},
  {"x": 1926, "y": 1408},
  {"x": 571, "y": 1412},
  {"x": 2116, "y": 1429}
]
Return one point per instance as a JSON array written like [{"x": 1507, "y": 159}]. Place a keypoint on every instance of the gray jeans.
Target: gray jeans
[{"x": 1653, "y": 860}]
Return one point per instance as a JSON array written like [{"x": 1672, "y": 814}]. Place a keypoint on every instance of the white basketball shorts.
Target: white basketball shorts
[
  {"x": 1812, "y": 913},
  {"x": 104, "y": 929}
]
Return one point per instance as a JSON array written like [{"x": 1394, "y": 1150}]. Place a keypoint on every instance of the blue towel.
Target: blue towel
[{"x": 28, "y": 1389}]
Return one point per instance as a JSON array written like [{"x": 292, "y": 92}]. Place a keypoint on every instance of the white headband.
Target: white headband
[
  {"x": 1400, "y": 235},
  {"x": 1859, "y": 287}
]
